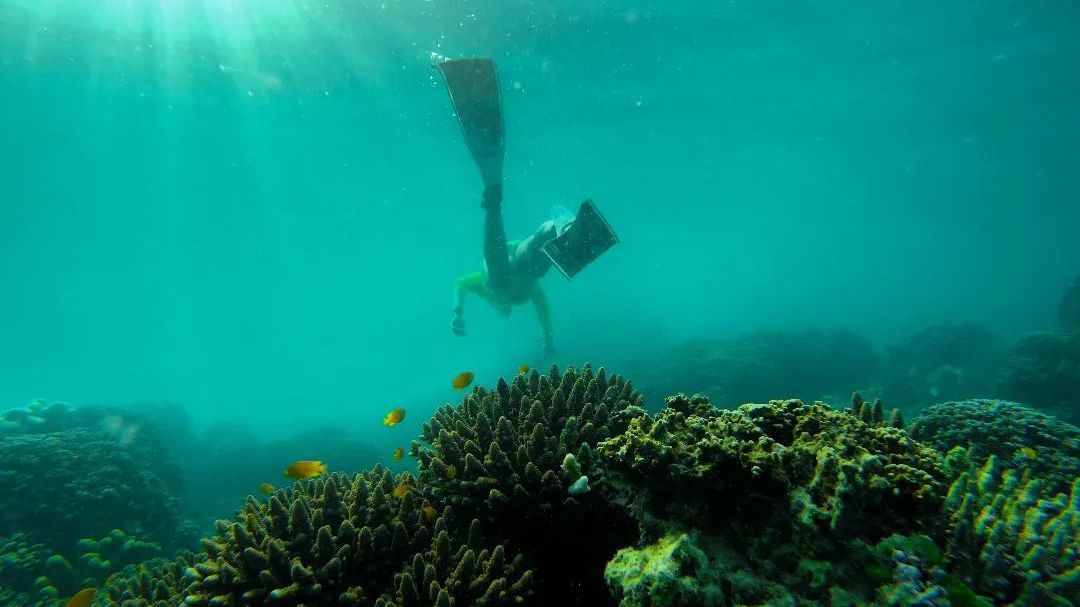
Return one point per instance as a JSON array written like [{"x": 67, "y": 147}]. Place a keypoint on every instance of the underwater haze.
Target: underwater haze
[{"x": 257, "y": 209}]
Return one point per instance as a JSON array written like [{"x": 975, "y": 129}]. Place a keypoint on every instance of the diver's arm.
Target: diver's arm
[
  {"x": 543, "y": 313},
  {"x": 469, "y": 283}
]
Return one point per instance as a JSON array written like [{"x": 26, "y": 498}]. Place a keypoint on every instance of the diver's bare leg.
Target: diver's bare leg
[{"x": 496, "y": 255}]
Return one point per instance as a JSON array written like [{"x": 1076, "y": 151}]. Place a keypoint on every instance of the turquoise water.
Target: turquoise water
[{"x": 256, "y": 210}]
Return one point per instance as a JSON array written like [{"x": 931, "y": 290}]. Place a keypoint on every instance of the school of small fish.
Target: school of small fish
[{"x": 305, "y": 469}]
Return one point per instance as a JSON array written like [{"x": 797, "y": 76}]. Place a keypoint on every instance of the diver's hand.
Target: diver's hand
[{"x": 457, "y": 324}]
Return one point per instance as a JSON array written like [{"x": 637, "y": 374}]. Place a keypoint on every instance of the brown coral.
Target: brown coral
[
  {"x": 347, "y": 540},
  {"x": 499, "y": 457}
]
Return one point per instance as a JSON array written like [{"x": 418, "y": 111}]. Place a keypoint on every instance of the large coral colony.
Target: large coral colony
[{"x": 560, "y": 488}]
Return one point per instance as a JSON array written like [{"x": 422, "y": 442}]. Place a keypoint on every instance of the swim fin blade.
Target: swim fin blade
[
  {"x": 585, "y": 239},
  {"x": 474, "y": 90}
]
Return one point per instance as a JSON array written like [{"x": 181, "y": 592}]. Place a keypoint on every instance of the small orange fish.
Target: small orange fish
[
  {"x": 305, "y": 469},
  {"x": 462, "y": 380},
  {"x": 82, "y": 598},
  {"x": 523, "y": 369},
  {"x": 430, "y": 513},
  {"x": 394, "y": 417},
  {"x": 403, "y": 488},
  {"x": 451, "y": 471},
  {"x": 267, "y": 488},
  {"x": 399, "y": 453}
]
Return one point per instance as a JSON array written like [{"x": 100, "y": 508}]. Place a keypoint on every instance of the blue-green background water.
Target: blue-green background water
[{"x": 257, "y": 209}]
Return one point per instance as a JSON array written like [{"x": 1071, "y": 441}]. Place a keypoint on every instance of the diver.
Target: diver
[{"x": 512, "y": 271}]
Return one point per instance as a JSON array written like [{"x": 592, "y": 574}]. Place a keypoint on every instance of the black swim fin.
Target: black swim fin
[
  {"x": 474, "y": 91},
  {"x": 585, "y": 239}
]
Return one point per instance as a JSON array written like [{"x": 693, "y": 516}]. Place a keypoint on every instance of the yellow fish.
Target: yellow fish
[
  {"x": 394, "y": 417},
  {"x": 451, "y": 471},
  {"x": 305, "y": 468},
  {"x": 267, "y": 488},
  {"x": 82, "y": 598},
  {"x": 523, "y": 369},
  {"x": 399, "y": 453},
  {"x": 430, "y": 513},
  {"x": 1027, "y": 452},
  {"x": 462, "y": 380},
  {"x": 403, "y": 488}
]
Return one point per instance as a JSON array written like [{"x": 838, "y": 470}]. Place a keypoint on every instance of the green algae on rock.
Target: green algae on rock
[
  {"x": 499, "y": 457},
  {"x": 794, "y": 490},
  {"x": 673, "y": 572},
  {"x": 830, "y": 469}
]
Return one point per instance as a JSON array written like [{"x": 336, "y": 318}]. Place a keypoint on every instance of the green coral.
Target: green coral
[
  {"x": 155, "y": 583},
  {"x": 1006, "y": 430},
  {"x": 67, "y": 476},
  {"x": 1014, "y": 541},
  {"x": 673, "y": 572},
  {"x": 31, "y": 569},
  {"x": 22, "y": 561},
  {"x": 508, "y": 457},
  {"x": 349, "y": 540},
  {"x": 786, "y": 484}
]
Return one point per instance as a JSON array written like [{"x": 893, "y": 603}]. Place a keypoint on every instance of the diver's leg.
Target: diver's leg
[{"x": 496, "y": 255}]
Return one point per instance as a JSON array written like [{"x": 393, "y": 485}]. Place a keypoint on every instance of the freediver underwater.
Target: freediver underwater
[{"x": 511, "y": 271}]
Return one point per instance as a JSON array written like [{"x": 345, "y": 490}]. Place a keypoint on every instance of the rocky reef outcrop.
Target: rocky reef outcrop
[
  {"x": 787, "y": 492},
  {"x": 1043, "y": 370}
]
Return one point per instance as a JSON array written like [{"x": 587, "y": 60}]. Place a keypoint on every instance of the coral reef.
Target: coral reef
[
  {"x": 1017, "y": 435},
  {"x": 346, "y": 540},
  {"x": 514, "y": 458},
  {"x": 21, "y": 562},
  {"x": 65, "y": 485},
  {"x": 1043, "y": 370},
  {"x": 155, "y": 583},
  {"x": 1069, "y": 308},
  {"x": 1011, "y": 539},
  {"x": 874, "y": 413},
  {"x": 30, "y": 569},
  {"x": 748, "y": 368},
  {"x": 73, "y": 474},
  {"x": 786, "y": 485}
]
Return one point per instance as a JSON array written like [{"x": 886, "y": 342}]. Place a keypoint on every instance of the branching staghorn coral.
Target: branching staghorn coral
[
  {"x": 1011, "y": 539},
  {"x": 511, "y": 457},
  {"x": 342, "y": 541}
]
